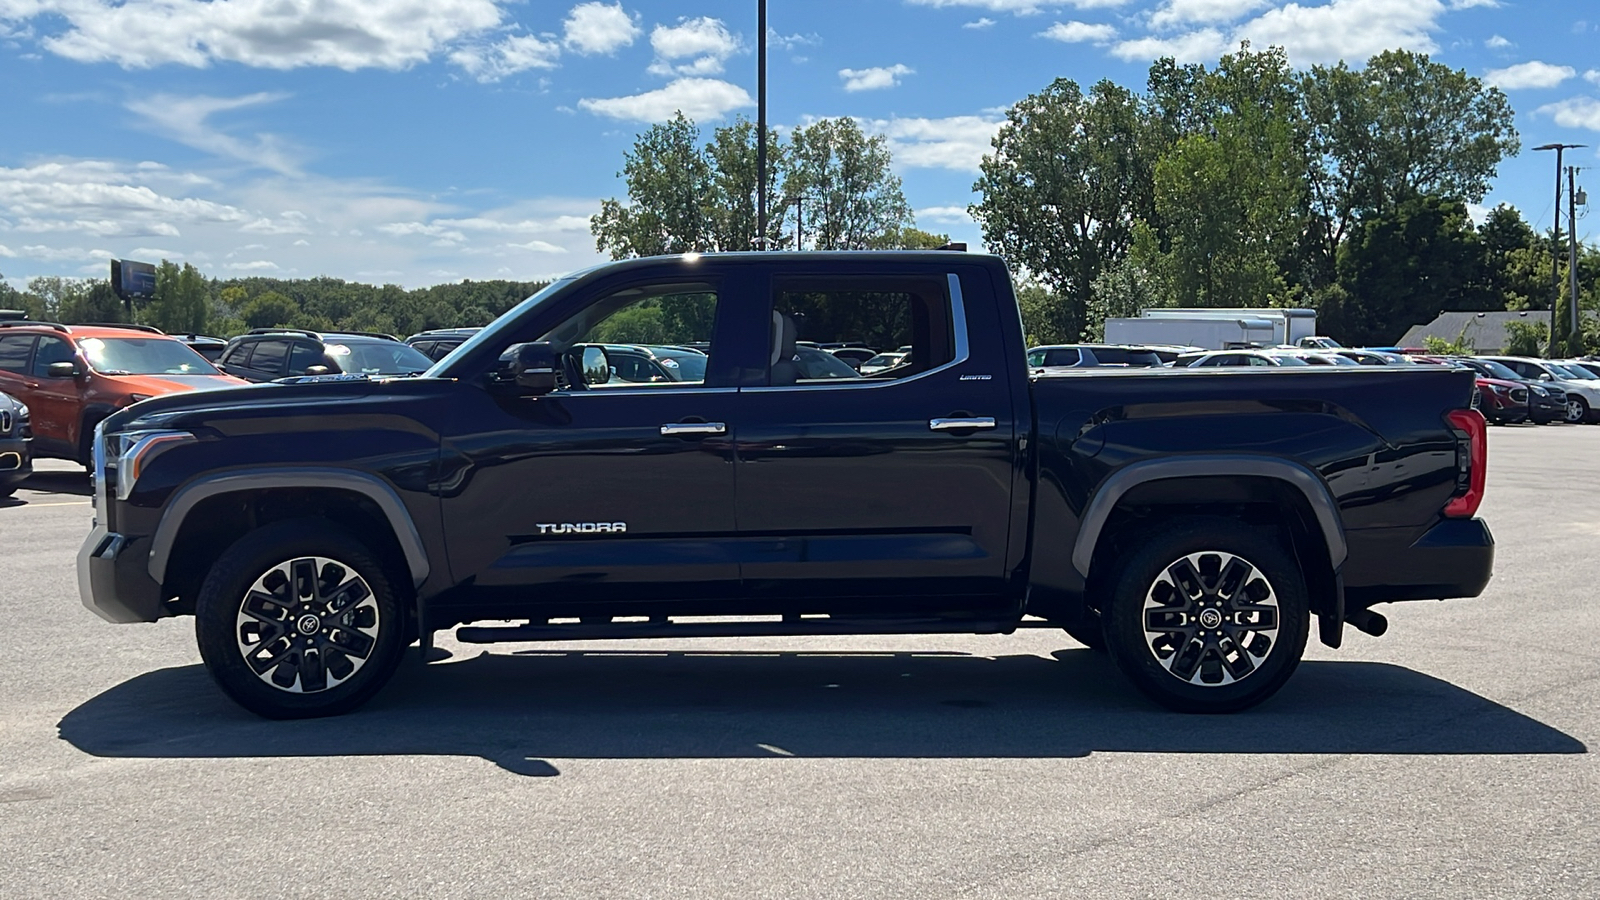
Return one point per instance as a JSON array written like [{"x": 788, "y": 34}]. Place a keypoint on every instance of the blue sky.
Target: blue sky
[{"x": 420, "y": 141}]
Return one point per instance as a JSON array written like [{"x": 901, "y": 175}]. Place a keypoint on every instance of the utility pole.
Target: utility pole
[
  {"x": 1572, "y": 248},
  {"x": 799, "y": 201},
  {"x": 761, "y": 126},
  {"x": 1555, "y": 247}
]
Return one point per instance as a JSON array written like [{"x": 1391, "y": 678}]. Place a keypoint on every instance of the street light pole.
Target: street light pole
[
  {"x": 1555, "y": 248},
  {"x": 761, "y": 125}
]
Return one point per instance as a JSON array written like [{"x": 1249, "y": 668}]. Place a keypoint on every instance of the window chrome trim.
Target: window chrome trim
[{"x": 958, "y": 327}]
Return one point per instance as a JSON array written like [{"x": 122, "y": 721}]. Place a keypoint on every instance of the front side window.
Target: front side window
[
  {"x": 1036, "y": 358},
  {"x": 1062, "y": 358},
  {"x": 377, "y": 357},
  {"x": 50, "y": 350},
  {"x": 907, "y": 320},
  {"x": 666, "y": 328},
  {"x": 144, "y": 356}
]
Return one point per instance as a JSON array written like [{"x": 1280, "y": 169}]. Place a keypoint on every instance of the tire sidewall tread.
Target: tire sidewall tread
[
  {"x": 1160, "y": 546},
  {"x": 217, "y": 609}
]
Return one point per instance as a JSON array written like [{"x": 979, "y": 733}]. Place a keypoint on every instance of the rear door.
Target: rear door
[
  {"x": 878, "y": 494},
  {"x": 16, "y": 355}
]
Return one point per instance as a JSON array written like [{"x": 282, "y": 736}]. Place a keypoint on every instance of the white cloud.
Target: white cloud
[
  {"x": 1496, "y": 42},
  {"x": 1576, "y": 112},
  {"x": 1346, "y": 29},
  {"x": 1469, "y": 4},
  {"x": 791, "y": 41},
  {"x": 274, "y": 34},
  {"x": 184, "y": 119},
  {"x": 259, "y": 265},
  {"x": 1531, "y": 74},
  {"x": 979, "y": 23},
  {"x": 1592, "y": 76},
  {"x": 1018, "y": 7},
  {"x": 957, "y": 143},
  {"x": 874, "y": 79},
  {"x": 944, "y": 215},
  {"x": 697, "y": 98},
  {"x": 1186, "y": 12},
  {"x": 599, "y": 28},
  {"x": 1196, "y": 46},
  {"x": 1078, "y": 32},
  {"x": 508, "y": 56},
  {"x": 103, "y": 200},
  {"x": 705, "y": 41}
]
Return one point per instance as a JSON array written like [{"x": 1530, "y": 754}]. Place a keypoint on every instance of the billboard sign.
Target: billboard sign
[{"x": 133, "y": 280}]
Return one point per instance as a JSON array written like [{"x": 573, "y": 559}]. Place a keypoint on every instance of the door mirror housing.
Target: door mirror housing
[
  {"x": 596, "y": 367},
  {"x": 63, "y": 370},
  {"x": 534, "y": 368},
  {"x": 1543, "y": 376},
  {"x": 318, "y": 370}
]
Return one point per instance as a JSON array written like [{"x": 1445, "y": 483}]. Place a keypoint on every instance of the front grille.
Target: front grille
[
  {"x": 5, "y": 422},
  {"x": 1520, "y": 395}
]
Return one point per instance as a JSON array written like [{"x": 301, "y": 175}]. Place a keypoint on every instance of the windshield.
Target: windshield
[
  {"x": 144, "y": 356},
  {"x": 1495, "y": 370},
  {"x": 1577, "y": 373},
  {"x": 883, "y": 359},
  {"x": 378, "y": 358}
]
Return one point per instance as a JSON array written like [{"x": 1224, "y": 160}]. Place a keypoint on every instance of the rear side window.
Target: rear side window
[
  {"x": 270, "y": 356},
  {"x": 15, "y": 349},
  {"x": 1122, "y": 356},
  {"x": 884, "y": 314}
]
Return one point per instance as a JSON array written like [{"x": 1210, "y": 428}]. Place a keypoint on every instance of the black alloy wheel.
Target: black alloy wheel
[
  {"x": 1208, "y": 615},
  {"x": 298, "y": 619}
]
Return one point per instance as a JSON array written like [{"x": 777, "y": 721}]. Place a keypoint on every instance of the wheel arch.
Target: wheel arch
[{"x": 217, "y": 510}]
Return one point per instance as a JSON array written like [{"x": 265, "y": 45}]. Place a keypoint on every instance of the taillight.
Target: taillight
[{"x": 1472, "y": 462}]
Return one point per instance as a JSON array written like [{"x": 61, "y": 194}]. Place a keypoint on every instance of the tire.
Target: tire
[
  {"x": 1089, "y": 632},
  {"x": 270, "y": 646},
  {"x": 1577, "y": 410},
  {"x": 1227, "y": 669}
]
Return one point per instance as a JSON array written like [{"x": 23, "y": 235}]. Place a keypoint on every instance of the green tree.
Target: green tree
[
  {"x": 1400, "y": 128},
  {"x": 1526, "y": 338},
  {"x": 96, "y": 304},
  {"x": 1405, "y": 267},
  {"x": 51, "y": 297},
  {"x": 853, "y": 197},
  {"x": 684, "y": 197},
  {"x": 268, "y": 310},
  {"x": 1069, "y": 179}
]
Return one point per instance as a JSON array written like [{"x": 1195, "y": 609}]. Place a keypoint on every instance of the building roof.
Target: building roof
[{"x": 1484, "y": 331}]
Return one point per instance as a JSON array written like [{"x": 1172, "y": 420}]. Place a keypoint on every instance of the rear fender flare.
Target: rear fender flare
[
  {"x": 380, "y": 492},
  {"x": 1119, "y": 483}
]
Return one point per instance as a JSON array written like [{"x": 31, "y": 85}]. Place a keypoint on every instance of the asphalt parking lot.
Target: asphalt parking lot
[{"x": 1448, "y": 758}]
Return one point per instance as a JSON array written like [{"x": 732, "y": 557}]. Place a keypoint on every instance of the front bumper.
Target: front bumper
[
  {"x": 16, "y": 463},
  {"x": 112, "y": 580},
  {"x": 1454, "y": 558}
]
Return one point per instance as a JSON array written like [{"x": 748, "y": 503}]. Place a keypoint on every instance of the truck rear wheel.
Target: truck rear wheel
[
  {"x": 298, "y": 619},
  {"x": 1208, "y": 615}
]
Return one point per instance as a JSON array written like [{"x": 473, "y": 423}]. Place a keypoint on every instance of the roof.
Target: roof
[
  {"x": 1485, "y": 331},
  {"x": 28, "y": 326}
]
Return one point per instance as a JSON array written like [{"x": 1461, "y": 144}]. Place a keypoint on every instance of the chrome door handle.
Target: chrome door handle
[
  {"x": 694, "y": 428},
  {"x": 960, "y": 424}
]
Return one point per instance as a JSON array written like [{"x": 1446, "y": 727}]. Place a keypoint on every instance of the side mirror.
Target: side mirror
[
  {"x": 534, "y": 368},
  {"x": 318, "y": 370},
  {"x": 596, "y": 367},
  {"x": 63, "y": 370},
  {"x": 1543, "y": 376}
]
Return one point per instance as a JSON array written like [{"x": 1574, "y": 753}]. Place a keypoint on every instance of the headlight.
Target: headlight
[
  {"x": 22, "y": 412},
  {"x": 135, "y": 450},
  {"x": 1538, "y": 391},
  {"x": 1498, "y": 390}
]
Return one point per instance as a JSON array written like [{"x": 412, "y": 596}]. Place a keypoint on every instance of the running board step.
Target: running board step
[{"x": 769, "y": 627}]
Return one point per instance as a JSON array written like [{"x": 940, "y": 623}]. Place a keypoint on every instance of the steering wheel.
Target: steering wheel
[{"x": 572, "y": 370}]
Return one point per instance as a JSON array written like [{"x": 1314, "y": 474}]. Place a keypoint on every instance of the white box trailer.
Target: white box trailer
[{"x": 1213, "y": 329}]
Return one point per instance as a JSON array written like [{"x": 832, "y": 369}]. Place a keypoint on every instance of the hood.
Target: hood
[
  {"x": 157, "y": 385},
  {"x": 184, "y": 407}
]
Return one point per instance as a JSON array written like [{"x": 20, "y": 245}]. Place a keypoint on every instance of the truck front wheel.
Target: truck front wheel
[
  {"x": 1208, "y": 615},
  {"x": 298, "y": 619}
]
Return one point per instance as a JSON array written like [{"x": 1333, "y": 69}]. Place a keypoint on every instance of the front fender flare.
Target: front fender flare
[
  {"x": 1297, "y": 475},
  {"x": 379, "y": 491}
]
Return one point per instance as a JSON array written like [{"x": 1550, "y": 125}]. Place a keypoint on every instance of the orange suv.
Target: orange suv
[{"x": 72, "y": 376}]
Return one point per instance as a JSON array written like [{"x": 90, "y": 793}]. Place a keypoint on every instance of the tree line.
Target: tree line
[{"x": 186, "y": 302}]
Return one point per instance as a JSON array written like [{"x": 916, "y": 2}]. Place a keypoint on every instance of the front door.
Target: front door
[
  {"x": 56, "y": 404},
  {"x": 884, "y": 493},
  {"x": 614, "y": 496}
]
